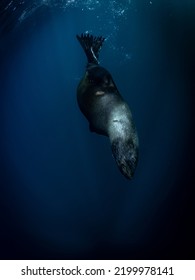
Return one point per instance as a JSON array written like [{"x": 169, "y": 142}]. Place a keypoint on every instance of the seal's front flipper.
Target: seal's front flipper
[{"x": 91, "y": 46}]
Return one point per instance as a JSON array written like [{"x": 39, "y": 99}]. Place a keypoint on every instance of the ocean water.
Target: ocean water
[{"x": 61, "y": 193}]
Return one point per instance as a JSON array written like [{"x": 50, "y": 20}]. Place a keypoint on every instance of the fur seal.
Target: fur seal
[{"x": 105, "y": 109}]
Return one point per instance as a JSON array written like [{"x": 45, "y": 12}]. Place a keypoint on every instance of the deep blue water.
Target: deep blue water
[{"x": 61, "y": 194}]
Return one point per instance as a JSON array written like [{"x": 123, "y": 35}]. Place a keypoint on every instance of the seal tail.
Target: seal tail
[{"x": 91, "y": 46}]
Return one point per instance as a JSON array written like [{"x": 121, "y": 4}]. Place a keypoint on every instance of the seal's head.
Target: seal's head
[{"x": 126, "y": 156}]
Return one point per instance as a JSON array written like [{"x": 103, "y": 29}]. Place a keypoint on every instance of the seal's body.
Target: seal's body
[{"x": 108, "y": 114}]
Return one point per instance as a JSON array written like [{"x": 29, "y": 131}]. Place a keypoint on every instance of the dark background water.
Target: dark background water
[{"x": 61, "y": 194}]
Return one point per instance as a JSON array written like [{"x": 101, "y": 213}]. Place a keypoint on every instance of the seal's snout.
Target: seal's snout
[
  {"x": 126, "y": 157},
  {"x": 128, "y": 166}
]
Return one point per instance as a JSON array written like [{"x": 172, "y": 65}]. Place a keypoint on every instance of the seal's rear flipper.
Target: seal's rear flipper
[{"x": 91, "y": 46}]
